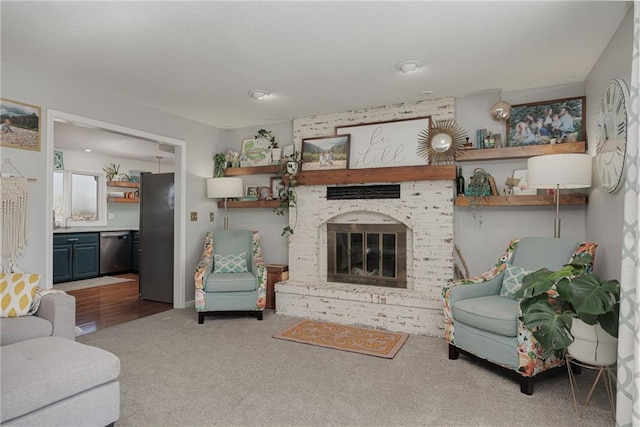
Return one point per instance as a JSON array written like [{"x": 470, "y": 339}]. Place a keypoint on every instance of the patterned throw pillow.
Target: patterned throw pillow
[
  {"x": 234, "y": 263},
  {"x": 16, "y": 293},
  {"x": 512, "y": 280}
]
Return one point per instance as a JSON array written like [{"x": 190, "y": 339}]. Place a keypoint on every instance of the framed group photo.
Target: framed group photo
[
  {"x": 20, "y": 125},
  {"x": 325, "y": 153},
  {"x": 547, "y": 122}
]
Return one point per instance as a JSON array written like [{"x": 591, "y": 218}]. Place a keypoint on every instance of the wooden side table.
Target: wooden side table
[{"x": 275, "y": 273}]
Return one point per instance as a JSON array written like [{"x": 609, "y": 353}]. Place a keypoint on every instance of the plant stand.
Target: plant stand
[{"x": 604, "y": 372}]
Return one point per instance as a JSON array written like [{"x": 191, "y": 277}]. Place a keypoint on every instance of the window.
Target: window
[{"x": 79, "y": 198}]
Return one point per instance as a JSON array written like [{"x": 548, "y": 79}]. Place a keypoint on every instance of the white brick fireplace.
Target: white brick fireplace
[{"x": 424, "y": 207}]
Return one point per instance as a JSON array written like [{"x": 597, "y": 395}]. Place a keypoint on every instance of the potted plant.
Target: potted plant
[
  {"x": 276, "y": 153},
  {"x": 219, "y": 164},
  {"x": 112, "y": 171},
  {"x": 572, "y": 309},
  {"x": 287, "y": 191}
]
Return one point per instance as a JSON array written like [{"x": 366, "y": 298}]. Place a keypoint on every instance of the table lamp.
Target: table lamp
[
  {"x": 559, "y": 172},
  {"x": 224, "y": 188}
]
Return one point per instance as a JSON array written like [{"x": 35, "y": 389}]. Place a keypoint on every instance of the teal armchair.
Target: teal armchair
[
  {"x": 231, "y": 275},
  {"x": 482, "y": 315}
]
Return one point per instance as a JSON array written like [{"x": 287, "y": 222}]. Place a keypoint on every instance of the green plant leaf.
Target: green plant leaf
[
  {"x": 609, "y": 321},
  {"x": 550, "y": 328},
  {"x": 534, "y": 284},
  {"x": 590, "y": 296}
]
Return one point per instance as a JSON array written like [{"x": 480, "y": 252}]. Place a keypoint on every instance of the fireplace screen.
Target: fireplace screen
[{"x": 370, "y": 254}]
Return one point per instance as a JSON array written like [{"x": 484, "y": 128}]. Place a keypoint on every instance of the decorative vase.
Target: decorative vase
[
  {"x": 592, "y": 344},
  {"x": 292, "y": 167},
  {"x": 276, "y": 155}
]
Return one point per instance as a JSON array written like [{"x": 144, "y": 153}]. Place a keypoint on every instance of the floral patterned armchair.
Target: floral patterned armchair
[
  {"x": 231, "y": 275},
  {"x": 482, "y": 316}
]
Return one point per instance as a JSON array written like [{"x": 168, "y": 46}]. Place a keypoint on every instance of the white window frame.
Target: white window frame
[{"x": 101, "y": 196}]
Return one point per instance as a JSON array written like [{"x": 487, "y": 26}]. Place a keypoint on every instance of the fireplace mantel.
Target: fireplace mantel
[{"x": 363, "y": 176}]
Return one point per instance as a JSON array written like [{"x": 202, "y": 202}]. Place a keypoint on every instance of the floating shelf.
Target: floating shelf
[
  {"x": 122, "y": 200},
  {"x": 520, "y": 152},
  {"x": 361, "y": 176},
  {"x": 253, "y": 170},
  {"x": 542, "y": 200},
  {"x": 250, "y": 204},
  {"x": 127, "y": 184}
]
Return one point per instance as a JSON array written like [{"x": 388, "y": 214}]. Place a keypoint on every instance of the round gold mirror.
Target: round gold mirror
[{"x": 441, "y": 141}]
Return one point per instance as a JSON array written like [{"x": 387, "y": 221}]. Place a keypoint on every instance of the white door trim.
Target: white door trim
[{"x": 179, "y": 291}]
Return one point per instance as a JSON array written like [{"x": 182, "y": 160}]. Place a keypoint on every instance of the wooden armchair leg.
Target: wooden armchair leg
[
  {"x": 259, "y": 315},
  {"x": 453, "y": 352},
  {"x": 526, "y": 385},
  {"x": 200, "y": 318}
]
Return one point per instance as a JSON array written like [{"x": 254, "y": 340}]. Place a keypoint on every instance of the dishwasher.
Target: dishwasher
[{"x": 115, "y": 252}]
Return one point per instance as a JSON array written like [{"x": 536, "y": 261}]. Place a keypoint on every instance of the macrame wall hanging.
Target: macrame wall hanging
[{"x": 14, "y": 192}]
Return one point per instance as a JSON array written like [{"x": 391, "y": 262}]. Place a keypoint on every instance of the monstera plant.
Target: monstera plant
[{"x": 551, "y": 301}]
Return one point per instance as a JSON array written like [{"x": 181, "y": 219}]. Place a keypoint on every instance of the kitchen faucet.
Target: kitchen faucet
[{"x": 66, "y": 222}]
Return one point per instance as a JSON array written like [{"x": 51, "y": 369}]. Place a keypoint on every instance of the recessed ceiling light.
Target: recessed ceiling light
[
  {"x": 427, "y": 92},
  {"x": 88, "y": 150},
  {"x": 408, "y": 66},
  {"x": 258, "y": 94}
]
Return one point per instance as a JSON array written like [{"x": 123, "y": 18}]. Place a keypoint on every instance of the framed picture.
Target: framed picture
[
  {"x": 58, "y": 161},
  {"x": 275, "y": 186},
  {"x": 252, "y": 192},
  {"x": 547, "y": 122},
  {"x": 522, "y": 187},
  {"x": 20, "y": 125},
  {"x": 325, "y": 153},
  {"x": 256, "y": 151},
  {"x": 385, "y": 144}
]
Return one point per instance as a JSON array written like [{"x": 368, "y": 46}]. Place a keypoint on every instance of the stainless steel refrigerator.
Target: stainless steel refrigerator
[{"x": 156, "y": 236}]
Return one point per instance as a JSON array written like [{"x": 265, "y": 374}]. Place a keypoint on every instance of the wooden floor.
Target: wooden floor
[{"x": 104, "y": 306}]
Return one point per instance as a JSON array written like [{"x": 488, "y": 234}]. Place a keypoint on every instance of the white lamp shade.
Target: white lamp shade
[
  {"x": 227, "y": 187},
  {"x": 563, "y": 171}
]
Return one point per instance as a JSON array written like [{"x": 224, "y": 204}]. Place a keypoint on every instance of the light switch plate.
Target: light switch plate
[
  {"x": 211, "y": 216},
  {"x": 194, "y": 216},
  {"x": 111, "y": 215}
]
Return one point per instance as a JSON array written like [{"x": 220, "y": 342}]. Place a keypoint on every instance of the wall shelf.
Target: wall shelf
[
  {"x": 253, "y": 170},
  {"x": 250, "y": 204},
  {"x": 127, "y": 184},
  {"x": 122, "y": 200},
  {"x": 541, "y": 200},
  {"x": 520, "y": 152}
]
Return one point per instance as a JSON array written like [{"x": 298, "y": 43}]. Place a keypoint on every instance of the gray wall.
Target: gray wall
[
  {"x": 605, "y": 210},
  {"x": 85, "y": 99}
]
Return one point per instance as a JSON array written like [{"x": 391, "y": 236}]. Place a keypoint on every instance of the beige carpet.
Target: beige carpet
[
  {"x": 89, "y": 283},
  {"x": 231, "y": 372},
  {"x": 347, "y": 338}
]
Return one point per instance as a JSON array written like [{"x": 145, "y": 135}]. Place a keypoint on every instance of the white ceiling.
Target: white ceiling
[{"x": 199, "y": 60}]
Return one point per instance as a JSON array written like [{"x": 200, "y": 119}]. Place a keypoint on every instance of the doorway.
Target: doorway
[{"x": 179, "y": 148}]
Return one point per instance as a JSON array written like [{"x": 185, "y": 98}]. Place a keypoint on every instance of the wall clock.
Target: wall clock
[{"x": 611, "y": 135}]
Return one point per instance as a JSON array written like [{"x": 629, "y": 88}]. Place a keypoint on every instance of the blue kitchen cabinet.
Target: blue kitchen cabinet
[{"x": 75, "y": 256}]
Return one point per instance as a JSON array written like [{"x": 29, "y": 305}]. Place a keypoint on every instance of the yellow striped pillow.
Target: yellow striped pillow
[{"x": 16, "y": 293}]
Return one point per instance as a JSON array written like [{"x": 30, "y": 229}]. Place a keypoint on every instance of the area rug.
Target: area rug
[
  {"x": 90, "y": 283},
  {"x": 347, "y": 338}
]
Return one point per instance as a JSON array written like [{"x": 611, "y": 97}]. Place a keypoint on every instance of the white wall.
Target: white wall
[
  {"x": 87, "y": 100},
  {"x": 270, "y": 225},
  {"x": 125, "y": 215},
  {"x": 605, "y": 211},
  {"x": 484, "y": 238}
]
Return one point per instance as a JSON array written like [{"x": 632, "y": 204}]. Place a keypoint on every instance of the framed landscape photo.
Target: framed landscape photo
[
  {"x": 20, "y": 125},
  {"x": 256, "y": 151},
  {"x": 547, "y": 122},
  {"x": 385, "y": 144},
  {"x": 325, "y": 153}
]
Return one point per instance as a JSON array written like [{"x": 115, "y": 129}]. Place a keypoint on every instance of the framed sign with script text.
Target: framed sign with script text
[{"x": 385, "y": 144}]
